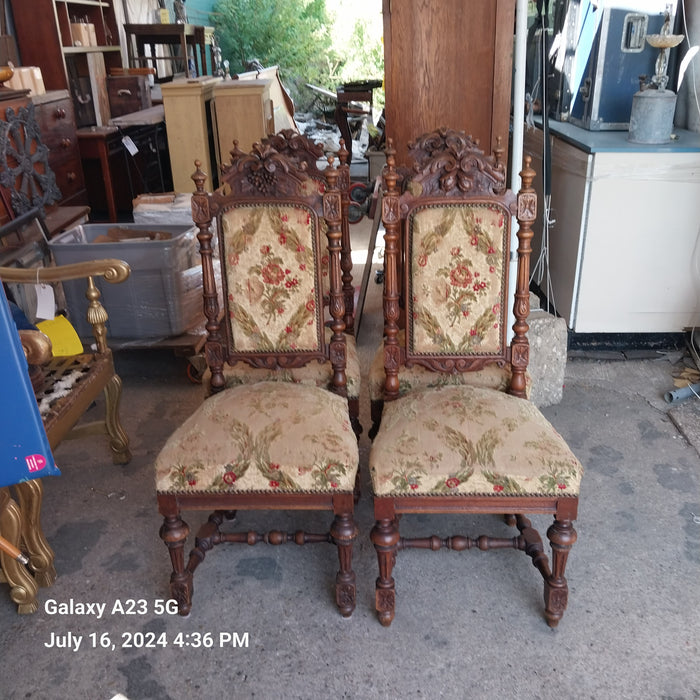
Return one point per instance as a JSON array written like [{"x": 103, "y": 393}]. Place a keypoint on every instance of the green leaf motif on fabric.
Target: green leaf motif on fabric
[
  {"x": 409, "y": 478},
  {"x": 558, "y": 477},
  {"x": 502, "y": 483},
  {"x": 184, "y": 476},
  {"x": 327, "y": 473}
]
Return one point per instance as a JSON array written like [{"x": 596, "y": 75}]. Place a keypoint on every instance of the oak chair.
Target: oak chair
[
  {"x": 452, "y": 447},
  {"x": 275, "y": 444},
  {"x": 421, "y": 151},
  {"x": 303, "y": 154}
]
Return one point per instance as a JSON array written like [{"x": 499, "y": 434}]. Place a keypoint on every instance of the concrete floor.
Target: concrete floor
[{"x": 468, "y": 625}]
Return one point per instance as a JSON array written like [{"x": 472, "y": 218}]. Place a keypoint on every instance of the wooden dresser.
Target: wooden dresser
[
  {"x": 54, "y": 113},
  {"x": 51, "y": 120}
]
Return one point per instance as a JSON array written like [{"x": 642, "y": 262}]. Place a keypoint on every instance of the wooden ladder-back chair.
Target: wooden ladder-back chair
[
  {"x": 456, "y": 448},
  {"x": 269, "y": 445},
  {"x": 302, "y": 153}
]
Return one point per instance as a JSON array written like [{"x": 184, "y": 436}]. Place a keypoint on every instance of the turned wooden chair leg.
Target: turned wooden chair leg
[
  {"x": 23, "y": 587},
  {"x": 344, "y": 531},
  {"x": 174, "y": 532},
  {"x": 562, "y": 537},
  {"x": 30, "y": 495},
  {"x": 385, "y": 537},
  {"x": 118, "y": 439}
]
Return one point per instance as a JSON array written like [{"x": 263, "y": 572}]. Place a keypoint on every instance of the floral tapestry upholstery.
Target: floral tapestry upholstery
[
  {"x": 419, "y": 377},
  {"x": 464, "y": 440},
  {"x": 458, "y": 257},
  {"x": 271, "y": 258},
  {"x": 314, "y": 373},
  {"x": 233, "y": 443}
]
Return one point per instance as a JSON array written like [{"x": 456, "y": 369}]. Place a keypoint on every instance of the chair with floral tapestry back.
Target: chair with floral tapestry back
[
  {"x": 422, "y": 150},
  {"x": 268, "y": 445},
  {"x": 304, "y": 154},
  {"x": 453, "y": 447}
]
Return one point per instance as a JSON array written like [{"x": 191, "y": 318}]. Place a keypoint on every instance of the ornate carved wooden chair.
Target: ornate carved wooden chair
[
  {"x": 304, "y": 154},
  {"x": 67, "y": 386},
  {"x": 423, "y": 150},
  {"x": 458, "y": 448},
  {"x": 269, "y": 445}
]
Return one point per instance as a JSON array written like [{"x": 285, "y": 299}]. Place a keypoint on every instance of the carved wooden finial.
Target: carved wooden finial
[
  {"x": 343, "y": 153},
  {"x": 527, "y": 174},
  {"x": 199, "y": 176},
  {"x": 499, "y": 150},
  {"x": 331, "y": 173}
]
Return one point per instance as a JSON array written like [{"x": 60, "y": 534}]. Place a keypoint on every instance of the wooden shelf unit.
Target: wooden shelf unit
[{"x": 46, "y": 39}]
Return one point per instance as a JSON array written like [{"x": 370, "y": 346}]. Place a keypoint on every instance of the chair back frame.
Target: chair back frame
[
  {"x": 452, "y": 170},
  {"x": 253, "y": 179}
]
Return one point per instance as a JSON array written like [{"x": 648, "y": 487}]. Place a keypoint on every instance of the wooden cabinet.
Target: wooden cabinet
[
  {"x": 54, "y": 114},
  {"x": 243, "y": 113},
  {"x": 74, "y": 43},
  {"x": 188, "y": 119},
  {"x": 448, "y": 63}
]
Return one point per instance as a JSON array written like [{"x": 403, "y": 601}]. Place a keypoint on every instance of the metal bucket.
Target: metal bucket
[{"x": 651, "y": 120}]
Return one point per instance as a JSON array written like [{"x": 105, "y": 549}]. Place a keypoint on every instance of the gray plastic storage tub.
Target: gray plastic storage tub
[{"x": 161, "y": 298}]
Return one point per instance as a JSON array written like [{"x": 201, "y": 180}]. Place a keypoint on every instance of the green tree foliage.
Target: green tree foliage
[
  {"x": 299, "y": 37},
  {"x": 292, "y": 34}
]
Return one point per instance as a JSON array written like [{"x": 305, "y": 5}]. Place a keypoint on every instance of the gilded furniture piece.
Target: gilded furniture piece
[
  {"x": 452, "y": 447},
  {"x": 304, "y": 154},
  {"x": 274, "y": 444},
  {"x": 67, "y": 386},
  {"x": 23, "y": 587}
]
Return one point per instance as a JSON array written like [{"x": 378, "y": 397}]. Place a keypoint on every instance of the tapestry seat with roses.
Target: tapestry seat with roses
[
  {"x": 456, "y": 432},
  {"x": 274, "y": 442}
]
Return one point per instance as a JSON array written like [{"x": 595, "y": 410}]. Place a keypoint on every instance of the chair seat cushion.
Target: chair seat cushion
[
  {"x": 314, "y": 373},
  {"x": 464, "y": 440},
  {"x": 265, "y": 437},
  {"x": 418, "y": 377}
]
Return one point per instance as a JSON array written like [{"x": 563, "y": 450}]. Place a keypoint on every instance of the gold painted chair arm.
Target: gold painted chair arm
[{"x": 112, "y": 270}]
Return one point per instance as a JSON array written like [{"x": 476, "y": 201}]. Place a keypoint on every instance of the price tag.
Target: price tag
[
  {"x": 130, "y": 145},
  {"x": 45, "y": 301}
]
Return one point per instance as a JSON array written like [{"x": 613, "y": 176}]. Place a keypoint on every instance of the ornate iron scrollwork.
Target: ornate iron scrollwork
[{"x": 24, "y": 162}]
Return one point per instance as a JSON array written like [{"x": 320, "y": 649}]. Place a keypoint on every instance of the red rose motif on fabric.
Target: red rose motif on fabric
[
  {"x": 265, "y": 250},
  {"x": 452, "y": 483},
  {"x": 561, "y": 486},
  {"x": 272, "y": 274},
  {"x": 461, "y": 276},
  {"x": 274, "y": 466},
  {"x": 274, "y": 484},
  {"x": 422, "y": 260},
  {"x": 498, "y": 488},
  {"x": 229, "y": 477}
]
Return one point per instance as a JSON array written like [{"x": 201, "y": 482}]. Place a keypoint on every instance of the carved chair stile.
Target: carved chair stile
[
  {"x": 454, "y": 447},
  {"x": 303, "y": 154},
  {"x": 268, "y": 445}
]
